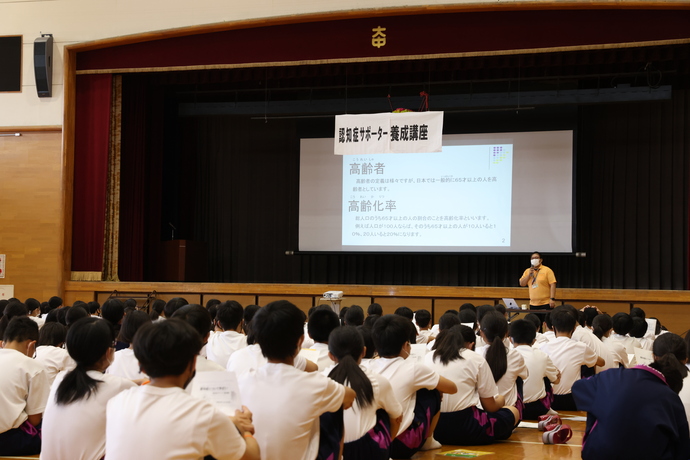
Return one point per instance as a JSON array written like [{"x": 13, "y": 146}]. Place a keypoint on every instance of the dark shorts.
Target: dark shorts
[
  {"x": 375, "y": 445},
  {"x": 25, "y": 440},
  {"x": 408, "y": 443},
  {"x": 533, "y": 410},
  {"x": 331, "y": 434},
  {"x": 473, "y": 426},
  {"x": 564, "y": 402}
]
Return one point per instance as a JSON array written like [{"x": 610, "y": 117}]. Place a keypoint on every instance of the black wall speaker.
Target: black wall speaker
[{"x": 43, "y": 65}]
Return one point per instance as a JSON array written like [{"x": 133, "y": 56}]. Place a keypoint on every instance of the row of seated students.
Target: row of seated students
[{"x": 369, "y": 383}]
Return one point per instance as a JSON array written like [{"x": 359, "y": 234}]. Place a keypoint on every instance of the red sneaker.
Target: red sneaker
[
  {"x": 546, "y": 420},
  {"x": 558, "y": 435}
]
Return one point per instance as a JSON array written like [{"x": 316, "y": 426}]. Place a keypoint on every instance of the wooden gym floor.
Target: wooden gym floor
[{"x": 525, "y": 443}]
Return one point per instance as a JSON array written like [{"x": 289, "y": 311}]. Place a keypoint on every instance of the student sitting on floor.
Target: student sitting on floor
[
  {"x": 506, "y": 364},
  {"x": 462, "y": 421},
  {"x": 286, "y": 402},
  {"x": 24, "y": 389},
  {"x": 416, "y": 386},
  {"x": 124, "y": 363},
  {"x": 74, "y": 419},
  {"x": 568, "y": 356},
  {"x": 376, "y": 413},
  {"x": 622, "y": 324},
  {"x": 321, "y": 322},
  {"x": 537, "y": 391},
  {"x": 160, "y": 420},
  {"x": 602, "y": 328},
  {"x": 422, "y": 319},
  {"x": 635, "y": 413},
  {"x": 221, "y": 345},
  {"x": 49, "y": 351}
]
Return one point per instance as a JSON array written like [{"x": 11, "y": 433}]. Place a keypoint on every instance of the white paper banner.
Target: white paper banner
[
  {"x": 6, "y": 291},
  {"x": 2, "y": 265},
  {"x": 411, "y": 132}
]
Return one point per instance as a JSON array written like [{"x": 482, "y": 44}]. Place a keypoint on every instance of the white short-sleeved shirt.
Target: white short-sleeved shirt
[
  {"x": 516, "y": 368},
  {"x": 568, "y": 355},
  {"x": 628, "y": 342},
  {"x": 539, "y": 365},
  {"x": 359, "y": 421},
  {"x": 154, "y": 422},
  {"x": 250, "y": 358},
  {"x": 76, "y": 431},
  {"x": 308, "y": 342},
  {"x": 23, "y": 388},
  {"x": 618, "y": 353},
  {"x": 539, "y": 339},
  {"x": 406, "y": 377},
  {"x": 287, "y": 404},
  {"x": 40, "y": 321},
  {"x": 55, "y": 360},
  {"x": 549, "y": 335},
  {"x": 126, "y": 365},
  {"x": 471, "y": 375},
  {"x": 222, "y": 345},
  {"x": 586, "y": 336},
  {"x": 423, "y": 336}
]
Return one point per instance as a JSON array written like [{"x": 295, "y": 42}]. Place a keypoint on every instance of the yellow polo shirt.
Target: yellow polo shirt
[{"x": 540, "y": 295}]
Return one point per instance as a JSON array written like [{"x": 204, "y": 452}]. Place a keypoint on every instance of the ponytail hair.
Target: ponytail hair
[
  {"x": 495, "y": 328},
  {"x": 672, "y": 369},
  {"x": 601, "y": 325},
  {"x": 347, "y": 345},
  {"x": 87, "y": 341},
  {"x": 448, "y": 345}
]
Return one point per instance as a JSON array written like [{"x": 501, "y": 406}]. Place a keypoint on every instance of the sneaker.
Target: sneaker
[
  {"x": 546, "y": 420},
  {"x": 559, "y": 435},
  {"x": 431, "y": 444}
]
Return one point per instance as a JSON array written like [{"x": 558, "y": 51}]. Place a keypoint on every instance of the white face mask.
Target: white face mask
[{"x": 535, "y": 262}]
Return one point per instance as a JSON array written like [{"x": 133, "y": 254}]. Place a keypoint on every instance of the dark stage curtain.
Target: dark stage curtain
[{"x": 92, "y": 120}]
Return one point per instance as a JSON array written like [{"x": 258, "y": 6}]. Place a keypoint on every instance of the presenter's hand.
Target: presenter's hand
[{"x": 552, "y": 303}]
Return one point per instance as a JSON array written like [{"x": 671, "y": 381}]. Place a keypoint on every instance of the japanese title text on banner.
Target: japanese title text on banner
[{"x": 410, "y": 132}]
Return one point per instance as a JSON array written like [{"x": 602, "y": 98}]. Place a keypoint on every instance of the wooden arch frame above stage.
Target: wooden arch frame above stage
[{"x": 346, "y": 37}]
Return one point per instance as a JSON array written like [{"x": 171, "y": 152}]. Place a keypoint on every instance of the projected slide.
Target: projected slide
[{"x": 458, "y": 197}]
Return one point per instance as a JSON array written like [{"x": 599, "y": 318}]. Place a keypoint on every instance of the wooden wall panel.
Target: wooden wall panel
[
  {"x": 303, "y": 302},
  {"x": 674, "y": 317},
  {"x": 243, "y": 299},
  {"x": 390, "y": 304},
  {"x": 31, "y": 223}
]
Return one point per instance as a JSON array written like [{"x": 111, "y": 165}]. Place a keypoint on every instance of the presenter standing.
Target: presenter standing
[{"x": 541, "y": 283}]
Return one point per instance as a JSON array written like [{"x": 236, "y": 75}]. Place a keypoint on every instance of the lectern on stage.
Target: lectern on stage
[{"x": 184, "y": 260}]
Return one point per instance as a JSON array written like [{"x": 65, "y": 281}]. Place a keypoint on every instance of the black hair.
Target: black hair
[
  {"x": 622, "y": 323},
  {"x": 590, "y": 314},
  {"x": 405, "y": 313},
  {"x": 212, "y": 302},
  {"x": 87, "y": 342},
  {"x": 52, "y": 316},
  {"x": 354, "y": 316},
  {"x": 55, "y": 302},
  {"x": 20, "y": 329},
  {"x": 62, "y": 315},
  {"x": 341, "y": 315},
  {"x": 311, "y": 310},
  {"x": 374, "y": 309},
  {"x": 230, "y": 315},
  {"x": 131, "y": 324},
  {"x": 452, "y": 312},
  {"x": 347, "y": 345},
  {"x": 321, "y": 323},
  {"x": 483, "y": 310},
  {"x": 197, "y": 316},
  {"x": 468, "y": 336},
  {"x": 113, "y": 310},
  {"x": 468, "y": 306},
  {"x": 669, "y": 352},
  {"x": 537, "y": 253},
  {"x": 172, "y": 305},
  {"x": 45, "y": 308},
  {"x": 131, "y": 303},
  {"x": 370, "y": 320},
  {"x": 157, "y": 308},
  {"x": 12, "y": 310},
  {"x": 422, "y": 317},
  {"x": 448, "y": 320},
  {"x": 468, "y": 316},
  {"x": 93, "y": 307},
  {"x": 74, "y": 314},
  {"x": 249, "y": 312},
  {"x": 547, "y": 320},
  {"x": 581, "y": 318},
  {"x": 278, "y": 327},
  {"x": 390, "y": 334},
  {"x": 52, "y": 334},
  {"x": 671, "y": 343},
  {"x": 637, "y": 311},
  {"x": 601, "y": 325},
  {"x": 32, "y": 304},
  {"x": 522, "y": 332},
  {"x": 448, "y": 344},
  {"x": 500, "y": 308},
  {"x": 534, "y": 319},
  {"x": 639, "y": 328},
  {"x": 166, "y": 348},
  {"x": 368, "y": 341},
  {"x": 213, "y": 311},
  {"x": 563, "y": 321},
  {"x": 495, "y": 327}
]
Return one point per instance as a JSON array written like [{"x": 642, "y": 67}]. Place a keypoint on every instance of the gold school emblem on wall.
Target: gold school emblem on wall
[{"x": 379, "y": 38}]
